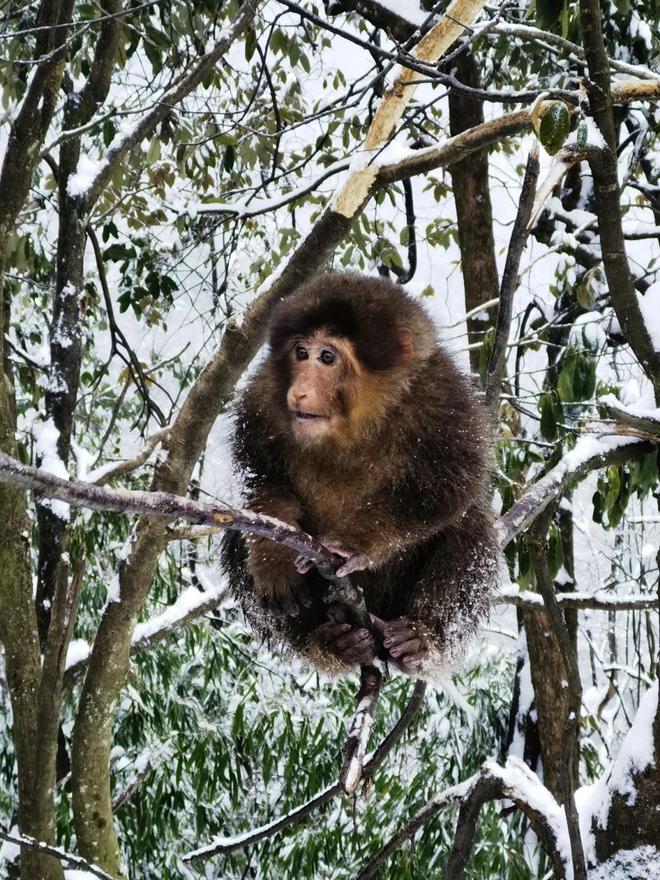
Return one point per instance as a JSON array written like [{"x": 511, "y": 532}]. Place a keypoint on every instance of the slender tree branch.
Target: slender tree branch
[
  {"x": 519, "y": 235},
  {"x": 355, "y": 747},
  {"x": 589, "y": 454},
  {"x": 514, "y": 782},
  {"x": 603, "y": 165}
]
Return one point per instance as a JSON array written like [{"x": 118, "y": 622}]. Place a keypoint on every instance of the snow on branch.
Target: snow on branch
[
  {"x": 590, "y": 453},
  {"x": 515, "y": 782},
  {"x": 190, "y": 605},
  {"x": 600, "y": 601},
  {"x": 56, "y": 851}
]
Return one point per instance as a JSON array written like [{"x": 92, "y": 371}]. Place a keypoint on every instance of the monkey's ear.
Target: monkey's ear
[{"x": 407, "y": 347}]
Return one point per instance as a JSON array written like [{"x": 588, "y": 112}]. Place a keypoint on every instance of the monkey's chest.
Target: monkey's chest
[{"x": 335, "y": 506}]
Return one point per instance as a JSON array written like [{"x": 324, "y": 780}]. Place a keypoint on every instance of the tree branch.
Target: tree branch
[
  {"x": 355, "y": 747},
  {"x": 228, "y": 845},
  {"x": 516, "y": 782},
  {"x": 67, "y": 858},
  {"x": 519, "y": 235}
]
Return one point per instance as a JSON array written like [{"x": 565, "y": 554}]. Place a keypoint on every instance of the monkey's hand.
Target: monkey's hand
[
  {"x": 355, "y": 561},
  {"x": 406, "y": 645},
  {"x": 351, "y": 644}
]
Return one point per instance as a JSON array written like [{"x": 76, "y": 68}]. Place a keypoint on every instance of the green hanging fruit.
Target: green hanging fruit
[{"x": 554, "y": 127}]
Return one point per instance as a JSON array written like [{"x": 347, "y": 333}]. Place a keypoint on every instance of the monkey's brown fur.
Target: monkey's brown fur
[{"x": 405, "y": 482}]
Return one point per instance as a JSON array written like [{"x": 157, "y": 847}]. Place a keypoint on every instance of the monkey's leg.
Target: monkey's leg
[{"x": 278, "y": 587}]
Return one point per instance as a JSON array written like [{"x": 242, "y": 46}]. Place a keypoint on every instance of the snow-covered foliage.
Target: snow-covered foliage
[{"x": 217, "y": 732}]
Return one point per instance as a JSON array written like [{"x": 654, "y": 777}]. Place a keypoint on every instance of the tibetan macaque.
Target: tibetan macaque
[{"x": 359, "y": 429}]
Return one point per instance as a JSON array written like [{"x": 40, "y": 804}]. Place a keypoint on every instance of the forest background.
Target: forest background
[{"x": 169, "y": 170}]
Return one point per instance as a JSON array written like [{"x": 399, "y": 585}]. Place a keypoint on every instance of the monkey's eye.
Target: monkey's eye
[
  {"x": 301, "y": 353},
  {"x": 327, "y": 356}
]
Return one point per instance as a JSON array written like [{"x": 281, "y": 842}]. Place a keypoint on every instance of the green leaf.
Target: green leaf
[{"x": 251, "y": 43}]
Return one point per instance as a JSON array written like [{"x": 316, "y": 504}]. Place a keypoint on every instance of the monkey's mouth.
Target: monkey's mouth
[{"x": 300, "y": 414}]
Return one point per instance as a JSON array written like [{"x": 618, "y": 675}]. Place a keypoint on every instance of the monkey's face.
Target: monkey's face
[{"x": 322, "y": 376}]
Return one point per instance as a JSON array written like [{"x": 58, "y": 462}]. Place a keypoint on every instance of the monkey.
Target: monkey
[{"x": 358, "y": 428}]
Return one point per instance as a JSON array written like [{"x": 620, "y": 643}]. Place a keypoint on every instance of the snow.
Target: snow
[
  {"x": 635, "y": 755},
  {"x": 86, "y": 172},
  {"x": 642, "y": 863},
  {"x": 526, "y": 786},
  {"x": 649, "y": 305},
  {"x": 187, "y": 603},
  {"x": 49, "y": 460},
  {"x": 587, "y": 332},
  {"x": 405, "y": 9},
  {"x": 632, "y": 409},
  {"x": 10, "y": 851}
]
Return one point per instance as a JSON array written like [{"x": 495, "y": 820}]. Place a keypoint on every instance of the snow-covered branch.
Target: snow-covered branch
[
  {"x": 56, "y": 851},
  {"x": 589, "y": 453},
  {"x": 515, "y": 782},
  {"x": 600, "y": 601}
]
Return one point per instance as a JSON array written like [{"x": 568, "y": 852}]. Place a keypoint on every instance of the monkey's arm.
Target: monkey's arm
[{"x": 278, "y": 587}]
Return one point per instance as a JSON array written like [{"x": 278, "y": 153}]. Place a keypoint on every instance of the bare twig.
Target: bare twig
[
  {"x": 129, "y": 791},
  {"x": 519, "y": 235}
]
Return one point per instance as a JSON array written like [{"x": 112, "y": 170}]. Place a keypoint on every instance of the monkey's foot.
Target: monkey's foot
[
  {"x": 351, "y": 644},
  {"x": 406, "y": 645},
  {"x": 355, "y": 561}
]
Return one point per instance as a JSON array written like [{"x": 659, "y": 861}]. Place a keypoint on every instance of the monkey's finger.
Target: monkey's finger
[
  {"x": 338, "y": 547},
  {"x": 411, "y": 647},
  {"x": 330, "y": 632},
  {"x": 358, "y": 638},
  {"x": 303, "y": 564},
  {"x": 398, "y": 635},
  {"x": 358, "y": 562}
]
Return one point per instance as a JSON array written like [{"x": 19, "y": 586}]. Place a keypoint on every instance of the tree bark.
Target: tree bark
[{"x": 474, "y": 211}]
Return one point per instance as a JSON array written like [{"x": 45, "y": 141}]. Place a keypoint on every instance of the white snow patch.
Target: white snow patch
[
  {"x": 50, "y": 461},
  {"x": 641, "y": 863},
  {"x": 636, "y": 753},
  {"x": 649, "y": 305},
  {"x": 86, "y": 172},
  {"x": 587, "y": 332}
]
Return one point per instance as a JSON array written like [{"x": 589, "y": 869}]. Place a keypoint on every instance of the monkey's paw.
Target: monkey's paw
[
  {"x": 406, "y": 645},
  {"x": 355, "y": 561},
  {"x": 351, "y": 644}
]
